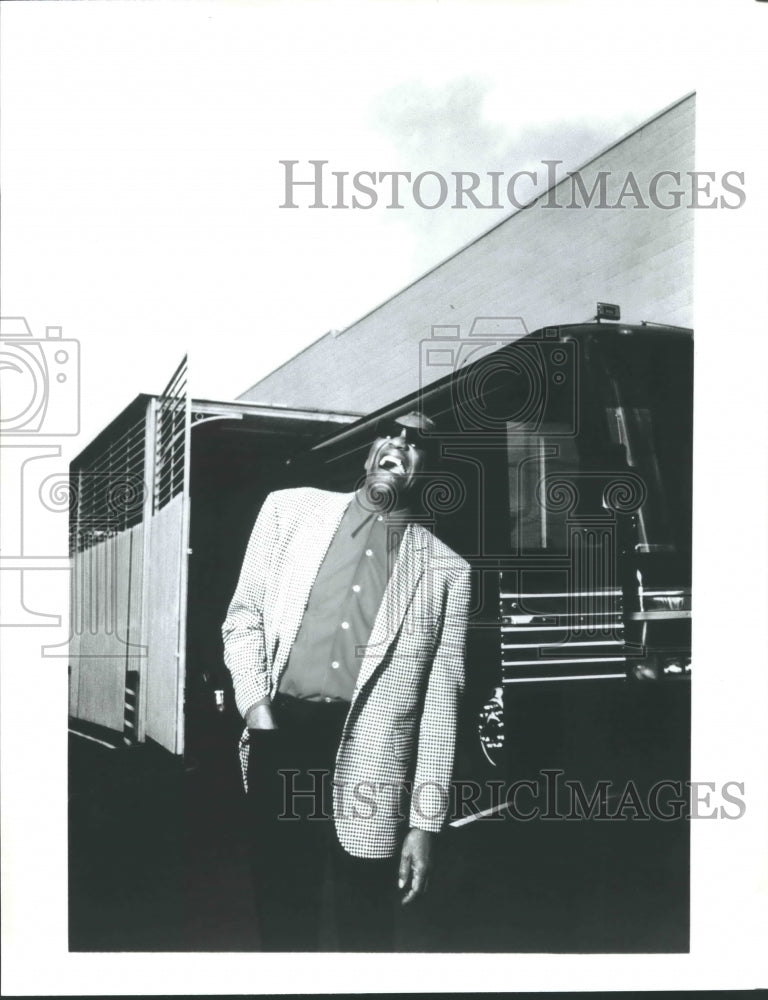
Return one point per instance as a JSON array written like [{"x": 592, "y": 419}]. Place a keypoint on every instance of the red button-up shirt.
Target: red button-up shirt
[{"x": 325, "y": 659}]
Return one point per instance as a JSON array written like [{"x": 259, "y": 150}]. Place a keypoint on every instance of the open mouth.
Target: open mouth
[{"x": 392, "y": 463}]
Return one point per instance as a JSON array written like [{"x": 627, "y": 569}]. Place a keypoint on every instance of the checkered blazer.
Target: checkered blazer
[{"x": 395, "y": 757}]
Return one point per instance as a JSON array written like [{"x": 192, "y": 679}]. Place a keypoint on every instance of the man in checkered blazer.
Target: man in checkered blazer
[{"x": 345, "y": 641}]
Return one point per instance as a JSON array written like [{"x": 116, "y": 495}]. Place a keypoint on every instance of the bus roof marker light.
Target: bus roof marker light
[{"x": 607, "y": 310}]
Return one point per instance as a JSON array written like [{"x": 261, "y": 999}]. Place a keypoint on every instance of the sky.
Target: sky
[
  {"x": 141, "y": 193},
  {"x": 142, "y": 180}
]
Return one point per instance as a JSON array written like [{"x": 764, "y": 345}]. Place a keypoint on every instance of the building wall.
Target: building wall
[{"x": 545, "y": 265}]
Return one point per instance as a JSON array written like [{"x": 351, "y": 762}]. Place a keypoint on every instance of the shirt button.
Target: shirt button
[
  {"x": 345, "y": 624},
  {"x": 356, "y": 587},
  {"x": 380, "y": 517},
  {"x": 335, "y": 665},
  {"x": 327, "y": 700},
  {"x": 369, "y": 552}
]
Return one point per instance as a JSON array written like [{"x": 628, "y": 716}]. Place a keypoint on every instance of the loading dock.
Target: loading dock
[{"x": 164, "y": 501}]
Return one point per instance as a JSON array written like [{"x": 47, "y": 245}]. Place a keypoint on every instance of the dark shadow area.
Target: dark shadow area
[{"x": 158, "y": 857}]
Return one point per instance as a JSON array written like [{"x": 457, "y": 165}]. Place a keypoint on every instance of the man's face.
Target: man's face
[{"x": 394, "y": 462}]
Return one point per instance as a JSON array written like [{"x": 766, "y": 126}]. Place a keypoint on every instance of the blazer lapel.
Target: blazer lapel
[
  {"x": 308, "y": 550},
  {"x": 398, "y": 595}
]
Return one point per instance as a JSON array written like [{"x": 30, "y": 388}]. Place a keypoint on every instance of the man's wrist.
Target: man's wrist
[
  {"x": 259, "y": 715},
  {"x": 425, "y": 824}
]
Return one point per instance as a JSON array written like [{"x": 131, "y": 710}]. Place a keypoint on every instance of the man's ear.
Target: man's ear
[{"x": 369, "y": 458}]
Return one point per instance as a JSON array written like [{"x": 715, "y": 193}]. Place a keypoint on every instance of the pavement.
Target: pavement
[{"x": 158, "y": 862}]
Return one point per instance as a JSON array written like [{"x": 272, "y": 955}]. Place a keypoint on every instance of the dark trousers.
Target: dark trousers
[{"x": 301, "y": 873}]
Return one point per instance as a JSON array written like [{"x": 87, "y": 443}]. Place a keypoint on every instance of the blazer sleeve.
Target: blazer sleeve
[
  {"x": 243, "y": 628},
  {"x": 437, "y": 732}
]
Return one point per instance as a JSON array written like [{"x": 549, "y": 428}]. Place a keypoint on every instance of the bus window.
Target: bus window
[
  {"x": 649, "y": 410},
  {"x": 542, "y": 488}
]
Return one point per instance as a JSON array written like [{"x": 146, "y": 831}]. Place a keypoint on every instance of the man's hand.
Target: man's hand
[
  {"x": 415, "y": 864},
  {"x": 260, "y": 716}
]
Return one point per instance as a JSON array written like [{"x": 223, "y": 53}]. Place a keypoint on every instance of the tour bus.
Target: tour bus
[{"x": 564, "y": 476}]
